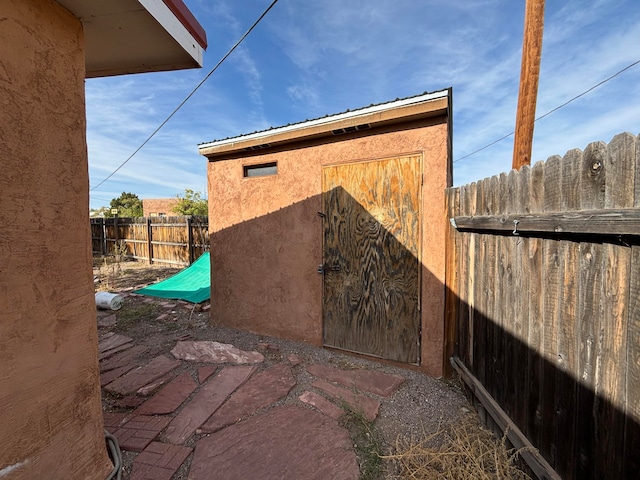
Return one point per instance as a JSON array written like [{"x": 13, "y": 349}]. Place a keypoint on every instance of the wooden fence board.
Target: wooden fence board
[
  {"x": 172, "y": 240},
  {"x": 535, "y": 336},
  {"x": 592, "y": 178},
  {"x": 470, "y": 206},
  {"x": 552, "y": 294},
  {"x": 463, "y": 268},
  {"x": 566, "y": 387},
  {"x": 481, "y": 298},
  {"x": 521, "y": 305},
  {"x": 552, "y": 315},
  {"x": 452, "y": 299},
  {"x": 610, "y": 376},
  {"x": 501, "y": 379},
  {"x": 510, "y": 298},
  {"x": 631, "y": 459}
]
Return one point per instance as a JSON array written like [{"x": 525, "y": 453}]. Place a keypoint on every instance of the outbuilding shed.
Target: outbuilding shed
[{"x": 332, "y": 231}]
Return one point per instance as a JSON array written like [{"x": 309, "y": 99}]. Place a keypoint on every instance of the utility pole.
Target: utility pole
[{"x": 529, "y": 74}]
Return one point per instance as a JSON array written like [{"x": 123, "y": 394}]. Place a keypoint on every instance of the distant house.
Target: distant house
[
  {"x": 332, "y": 231},
  {"x": 51, "y": 423},
  {"x": 159, "y": 207}
]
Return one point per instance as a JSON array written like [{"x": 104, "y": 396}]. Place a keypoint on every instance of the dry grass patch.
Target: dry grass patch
[{"x": 465, "y": 450}]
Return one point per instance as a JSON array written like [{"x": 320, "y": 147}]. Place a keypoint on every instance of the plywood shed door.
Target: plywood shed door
[{"x": 371, "y": 264}]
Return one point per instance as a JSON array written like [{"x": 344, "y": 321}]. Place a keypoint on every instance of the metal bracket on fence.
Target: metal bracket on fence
[
  {"x": 515, "y": 227},
  {"x": 452, "y": 221}
]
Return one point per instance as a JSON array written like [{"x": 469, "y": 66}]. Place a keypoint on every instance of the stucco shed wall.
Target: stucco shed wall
[
  {"x": 50, "y": 414},
  {"x": 266, "y": 235}
]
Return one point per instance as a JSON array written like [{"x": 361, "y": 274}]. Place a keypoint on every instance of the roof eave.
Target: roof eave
[{"x": 132, "y": 36}]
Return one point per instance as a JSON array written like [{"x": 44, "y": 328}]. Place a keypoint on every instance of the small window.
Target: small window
[{"x": 261, "y": 170}]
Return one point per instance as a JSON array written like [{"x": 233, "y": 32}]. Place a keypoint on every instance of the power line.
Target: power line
[
  {"x": 554, "y": 109},
  {"x": 190, "y": 94}
]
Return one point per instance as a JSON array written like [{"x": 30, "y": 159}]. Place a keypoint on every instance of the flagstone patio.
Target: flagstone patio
[{"x": 241, "y": 420}]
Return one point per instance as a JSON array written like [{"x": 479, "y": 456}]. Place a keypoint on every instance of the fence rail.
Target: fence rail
[
  {"x": 170, "y": 240},
  {"x": 543, "y": 303}
]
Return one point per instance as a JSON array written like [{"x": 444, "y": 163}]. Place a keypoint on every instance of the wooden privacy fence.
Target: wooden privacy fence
[
  {"x": 543, "y": 307},
  {"x": 172, "y": 240}
]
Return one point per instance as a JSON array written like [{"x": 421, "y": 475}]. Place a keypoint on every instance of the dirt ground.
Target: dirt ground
[{"x": 420, "y": 406}]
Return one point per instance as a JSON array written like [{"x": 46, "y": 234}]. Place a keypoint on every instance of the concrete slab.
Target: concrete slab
[
  {"x": 325, "y": 406},
  {"x": 214, "y": 352},
  {"x": 140, "y": 431},
  {"x": 141, "y": 376},
  {"x": 258, "y": 392},
  {"x": 359, "y": 402},
  {"x": 170, "y": 397},
  {"x": 206, "y": 401},
  {"x": 285, "y": 442},
  {"x": 123, "y": 358},
  {"x": 159, "y": 461},
  {"x": 372, "y": 381}
]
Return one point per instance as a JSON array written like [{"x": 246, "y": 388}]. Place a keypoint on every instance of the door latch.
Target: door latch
[{"x": 329, "y": 268}]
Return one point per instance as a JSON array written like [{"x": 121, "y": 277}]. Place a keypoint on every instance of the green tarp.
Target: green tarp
[{"x": 192, "y": 284}]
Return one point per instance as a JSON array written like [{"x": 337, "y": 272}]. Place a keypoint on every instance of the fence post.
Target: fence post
[
  {"x": 117, "y": 233},
  {"x": 149, "y": 244},
  {"x": 103, "y": 234},
  {"x": 189, "y": 240}
]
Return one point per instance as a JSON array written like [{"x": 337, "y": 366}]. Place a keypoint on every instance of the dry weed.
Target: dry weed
[{"x": 462, "y": 451}]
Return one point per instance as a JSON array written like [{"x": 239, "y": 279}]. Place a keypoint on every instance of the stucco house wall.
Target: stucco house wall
[
  {"x": 155, "y": 207},
  {"x": 50, "y": 415},
  {"x": 266, "y": 234},
  {"x": 50, "y": 405}
]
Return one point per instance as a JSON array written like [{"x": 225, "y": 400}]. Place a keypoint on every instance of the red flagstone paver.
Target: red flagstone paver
[
  {"x": 372, "y": 381},
  {"x": 108, "y": 321},
  {"x": 358, "y": 401},
  {"x": 108, "y": 353},
  {"x": 206, "y": 401},
  {"x": 159, "y": 461},
  {"x": 285, "y": 442},
  {"x": 170, "y": 397},
  {"x": 294, "y": 360},
  {"x": 151, "y": 387},
  {"x": 111, "y": 340},
  {"x": 123, "y": 358},
  {"x": 111, "y": 375},
  {"x": 141, "y": 376},
  {"x": 111, "y": 343},
  {"x": 260, "y": 391},
  {"x": 114, "y": 420},
  {"x": 205, "y": 372},
  {"x": 214, "y": 352},
  {"x": 128, "y": 401},
  {"x": 325, "y": 406},
  {"x": 139, "y": 431}
]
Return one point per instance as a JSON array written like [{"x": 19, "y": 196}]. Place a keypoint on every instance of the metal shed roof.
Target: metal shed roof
[{"x": 419, "y": 106}]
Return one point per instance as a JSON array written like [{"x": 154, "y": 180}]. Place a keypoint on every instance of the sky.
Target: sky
[{"x": 310, "y": 58}]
